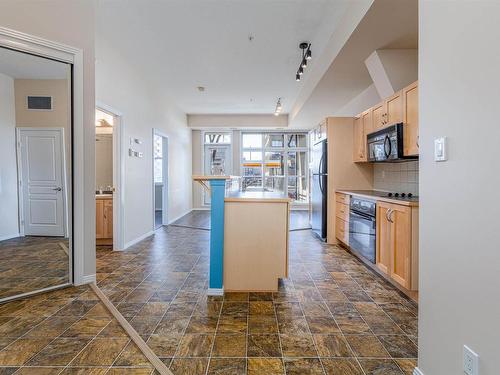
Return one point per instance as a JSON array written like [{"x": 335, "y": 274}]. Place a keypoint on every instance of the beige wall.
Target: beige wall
[
  {"x": 197, "y": 167},
  {"x": 59, "y": 89},
  {"x": 237, "y": 121},
  {"x": 459, "y": 87},
  {"x": 70, "y": 23}
]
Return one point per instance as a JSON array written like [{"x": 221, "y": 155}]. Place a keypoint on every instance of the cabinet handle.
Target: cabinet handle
[
  {"x": 390, "y": 216},
  {"x": 418, "y": 141}
]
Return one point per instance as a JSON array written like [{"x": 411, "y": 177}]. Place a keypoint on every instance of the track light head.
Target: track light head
[
  {"x": 304, "y": 63},
  {"x": 297, "y": 77},
  {"x": 301, "y": 71},
  {"x": 308, "y": 53}
]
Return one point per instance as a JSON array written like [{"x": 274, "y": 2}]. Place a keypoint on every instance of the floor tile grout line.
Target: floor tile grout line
[{"x": 215, "y": 336}]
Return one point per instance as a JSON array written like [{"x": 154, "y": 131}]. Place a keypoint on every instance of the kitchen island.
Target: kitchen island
[
  {"x": 248, "y": 236},
  {"x": 256, "y": 228}
]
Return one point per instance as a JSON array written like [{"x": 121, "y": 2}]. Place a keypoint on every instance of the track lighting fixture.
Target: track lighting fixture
[
  {"x": 279, "y": 107},
  {"x": 306, "y": 55}
]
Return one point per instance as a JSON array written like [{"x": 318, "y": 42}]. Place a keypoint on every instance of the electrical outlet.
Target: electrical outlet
[{"x": 471, "y": 361}]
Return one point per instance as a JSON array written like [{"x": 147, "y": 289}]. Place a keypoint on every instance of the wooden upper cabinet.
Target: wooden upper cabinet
[
  {"x": 378, "y": 116},
  {"x": 410, "y": 119},
  {"x": 359, "y": 141},
  {"x": 383, "y": 245},
  {"x": 366, "y": 117},
  {"x": 394, "y": 109}
]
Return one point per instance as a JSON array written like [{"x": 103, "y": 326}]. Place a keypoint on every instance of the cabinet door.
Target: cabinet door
[
  {"x": 358, "y": 136},
  {"x": 410, "y": 119},
  {"x": 108, "y": 218},
  {"x": 400, "y": 221},
  {"x": 383, "y": 237},
  {"x": 378, "y": 116},
  {"x": 394, "y": 109},
  {"x": 366, "y": 117},
  {"x": 99, "y": 218}
]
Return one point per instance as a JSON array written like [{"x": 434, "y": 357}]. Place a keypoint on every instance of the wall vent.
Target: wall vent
[{"x": 39, "y": 103}]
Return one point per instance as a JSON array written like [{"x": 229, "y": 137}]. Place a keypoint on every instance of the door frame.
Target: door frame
[
  {"x": 21, "y": 183},
  {"x": 118, "y": 175},
  {"x": 35, "y": 45},
  {"x": 165, "y": 179}
]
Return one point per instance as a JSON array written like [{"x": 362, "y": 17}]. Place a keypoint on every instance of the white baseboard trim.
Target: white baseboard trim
[
  {"x": 178, "y": 217},
  {"x": 88, "y": 279},
  {"x": 201, "y": 209},
  {"x": 9, "y": 236},
  {"x": 416, "y": 371},
  {"x": 215, "y": 291},
  {"x": 138, "y": 239}
]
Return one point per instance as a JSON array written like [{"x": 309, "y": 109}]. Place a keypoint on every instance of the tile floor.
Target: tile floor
[
  {"x": 65, "y": 332},
  {"x": 32, "y": 263},
  {"x": 332, "y": 316}
]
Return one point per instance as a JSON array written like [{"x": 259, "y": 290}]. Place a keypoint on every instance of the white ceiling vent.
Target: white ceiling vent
[{"x": 39, "y": 103}]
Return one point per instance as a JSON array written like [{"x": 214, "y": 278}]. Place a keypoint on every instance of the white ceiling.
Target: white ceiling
[
  {"x": 20, "y": 65},
  {"x": 181, "y": 44}
]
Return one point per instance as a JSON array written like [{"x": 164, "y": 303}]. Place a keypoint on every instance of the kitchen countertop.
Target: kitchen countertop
[
  {"x": 381, "y": 196},
  {"x": 256, "y": 196},
  {"x": 103, "y": 196}
]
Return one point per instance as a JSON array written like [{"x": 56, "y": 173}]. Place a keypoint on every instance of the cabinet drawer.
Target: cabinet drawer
[
  {"x": 342, "y": 211},
  {"x": 342, "y": 198},
  {"x": 342, "y": 230}
]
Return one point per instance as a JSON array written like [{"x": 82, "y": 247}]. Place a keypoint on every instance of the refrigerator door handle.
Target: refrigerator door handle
[{"x": 320, "y": 184}]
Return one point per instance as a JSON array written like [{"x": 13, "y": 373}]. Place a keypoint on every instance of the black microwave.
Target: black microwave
[{"x": 386, "y": 145}]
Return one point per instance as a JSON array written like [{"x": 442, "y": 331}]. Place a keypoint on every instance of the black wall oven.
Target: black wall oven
[{"x": 362, "y": 228}]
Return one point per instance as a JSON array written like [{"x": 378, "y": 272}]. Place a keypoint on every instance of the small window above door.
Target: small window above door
[{"x": 217, "y": 138}]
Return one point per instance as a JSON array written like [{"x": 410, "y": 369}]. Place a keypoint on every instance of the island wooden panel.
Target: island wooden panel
[{"x": 255, "y": 245}]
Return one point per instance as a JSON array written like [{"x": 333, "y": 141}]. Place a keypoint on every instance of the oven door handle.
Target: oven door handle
[{"x": 363, "y": 216}]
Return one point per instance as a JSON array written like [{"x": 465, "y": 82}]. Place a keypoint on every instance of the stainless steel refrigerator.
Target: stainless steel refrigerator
[{"x": 319, "y": 177}]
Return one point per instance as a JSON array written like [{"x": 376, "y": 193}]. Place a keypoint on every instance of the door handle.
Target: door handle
[
  {"x": 57, "y": 189},
  {"x": 390, "y": 215}
]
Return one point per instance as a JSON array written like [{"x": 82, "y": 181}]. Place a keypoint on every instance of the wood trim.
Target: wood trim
[
  {"x": 381, "y": 199},
  {"x": 136, "y": 338}
]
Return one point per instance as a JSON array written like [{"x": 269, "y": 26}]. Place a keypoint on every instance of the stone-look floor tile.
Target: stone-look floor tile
[
  {"x": 316, "y": 310},
  {"x": 262, "y": 324},
  {"x": 297, "y": 345},
  {"x": 132, "y": 356},
  {"x": 8, "y": 370},
  {"x": 128, "y": 371},
  {"x": 86, "y": 327},
  {"x": 208, "y": 309},
  {"x": 261, "y": 308},
  {"x": 399, "y": 346},
  {"x": 263, "y": 345},
  {"x": 352, "y": 325},
  {"x": 59, "y": 352},
  {"x": 172, "y": 325},
  {"x": 154, "y": 309},
  {"x": 163, "y": 346},
  {"x": 100, "y": 352},
  {"x": 232, "y": 324},
  {"x": 267, "y": 366},
  {"x": 19, "y": 325},
  {"x": 367, "y": 346},
  {"x": 260, "y": 296},
  {"x": 235, "y": 308},
  {"x": 39, "y": 370},
  {"x": 21, "y": 350},
  {"x": 296, "y": 325},
  {"x": 301, "y": 366},
  {"x": 51, "y": 327},
  {"x": 129, "y": 309},
  {"x": 227, "y": 366},
  {"x": 332, "y": 346},
  {"x": 189, "y": 366},
  {"x": 145, "y": 325},
  {"x": 195, "y": 345},
  {"x": 199, "y": 324},
  {"x": 4, "y": 341},
  {"x": 76, "y": 308},
  {"x": 236, "y": 296},
  {"x": 407, "y": 365},
  {"x": 113, "y": 329},
  {"x": 341, "y": 366},
  {"x": 98, "y": 311},
  {"x": 84, "y": 371},
  {"x": 230, "y": 345},
  {"x": 380, "y": 367},
  {"x": 181, "y": 309},
  {"x": 322, "y": 325}
]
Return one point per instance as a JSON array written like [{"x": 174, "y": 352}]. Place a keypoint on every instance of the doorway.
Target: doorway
[{"x": 160, "y": 179}]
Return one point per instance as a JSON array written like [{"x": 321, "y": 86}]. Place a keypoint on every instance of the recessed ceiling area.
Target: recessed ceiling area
[{"x": 244, "y": 53}]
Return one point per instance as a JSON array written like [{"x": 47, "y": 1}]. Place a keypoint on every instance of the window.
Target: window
[
  {"x": 158, "y": 159},
  {"x": 217, "y": 138},
  {"x": 275, "y": 162}
]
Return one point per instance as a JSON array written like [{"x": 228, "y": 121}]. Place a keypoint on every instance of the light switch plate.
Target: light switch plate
[
  {"x": 471, "y": 361},
  {"x": 440, "y": 149}
]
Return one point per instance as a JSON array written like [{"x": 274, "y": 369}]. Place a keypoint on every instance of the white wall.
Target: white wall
[
  {"x": 9, "y": 215},
  {"x": 366, "y": 99},
  {"x": 124, "y": 87},
  {"x": 71, "y": 23},
  {"x": 237, "y": 121},
  {"x": 459, "y": 86}
]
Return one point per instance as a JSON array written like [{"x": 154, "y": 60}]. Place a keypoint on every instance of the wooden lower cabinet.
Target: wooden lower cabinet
[
  {"x": 342, "y": 230},
  {"x": 397, "y": 243},
  {"x": 104, "y": 221},
  {"x": 342, "y": 217}
]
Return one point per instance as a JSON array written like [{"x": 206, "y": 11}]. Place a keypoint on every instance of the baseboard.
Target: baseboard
[
  {"x": 201, "y": 209},
  {"x": 178, "y": 217},
  {"x": 9, "y": 236},
  {"x": 138, "y": 239},
  {"x": 215, "y": 291},
  {"x": 88, "y": 279},
  {"x": 416, "y": 371}
]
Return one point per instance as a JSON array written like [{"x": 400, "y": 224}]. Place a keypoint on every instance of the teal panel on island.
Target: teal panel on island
[{"x": 217, "y": 190}]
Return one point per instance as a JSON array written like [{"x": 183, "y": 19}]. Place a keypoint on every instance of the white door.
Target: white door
[{"x": 42, "y": 181}]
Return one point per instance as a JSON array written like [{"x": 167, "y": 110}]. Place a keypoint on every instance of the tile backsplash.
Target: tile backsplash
[{"x": 396, "y": 177}]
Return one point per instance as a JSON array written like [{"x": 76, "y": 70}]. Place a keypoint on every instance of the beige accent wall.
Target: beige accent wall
[
  {"x": 343, "y": 173},
  {"x": 59, "y": 89},
  {"x": 459, "y": 91}
]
